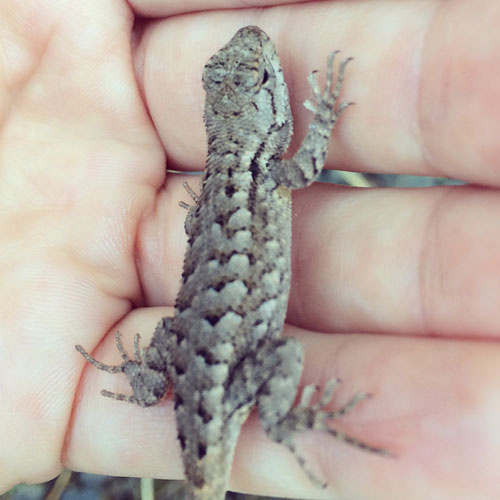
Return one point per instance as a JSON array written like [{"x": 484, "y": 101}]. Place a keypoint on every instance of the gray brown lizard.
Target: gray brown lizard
[{"x": 222, "y": 349}]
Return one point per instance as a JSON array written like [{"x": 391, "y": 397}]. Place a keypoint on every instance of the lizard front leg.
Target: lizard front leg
[
  {"x": 305, "y": 166},
  {"x": 191, "y": 209}
]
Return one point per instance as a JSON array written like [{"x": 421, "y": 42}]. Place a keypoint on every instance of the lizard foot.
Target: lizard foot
[
  {"x": 325, "y": 106},
  {"x": 148, "y": 384},
  {"x": 305, "y": 416}
]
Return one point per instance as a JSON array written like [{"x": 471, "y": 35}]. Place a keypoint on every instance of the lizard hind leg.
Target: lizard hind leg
[
  {"x": 281, "y": 421},
  {"x": 148, "y": 384},
  {"x": 315, "y": 417}
]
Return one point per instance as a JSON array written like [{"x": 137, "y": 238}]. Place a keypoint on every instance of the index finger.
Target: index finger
[{"x": 424, "y": 80}]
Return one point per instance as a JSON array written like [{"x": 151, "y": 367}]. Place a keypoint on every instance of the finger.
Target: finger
[
  {"x": 434, "y": 406},
  {"x": 424, "y": 105},
  {"x": 401, "y": 260},
  {"x": 437, "y": 415},
  {"x": 387, "y": 261},
  {"x": 155, "y": 8}
]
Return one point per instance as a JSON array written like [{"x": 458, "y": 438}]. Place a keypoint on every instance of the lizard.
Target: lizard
[{"x": 222, "y": 350}]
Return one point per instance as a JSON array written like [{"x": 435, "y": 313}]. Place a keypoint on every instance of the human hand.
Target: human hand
[{"x": 92, "y": 239}]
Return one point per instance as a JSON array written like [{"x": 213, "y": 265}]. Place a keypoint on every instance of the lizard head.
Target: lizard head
[{"x": 244, "y": 83}]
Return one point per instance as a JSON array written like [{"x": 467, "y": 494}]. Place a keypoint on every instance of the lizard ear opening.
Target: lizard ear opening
[{"x": 265, "y": 77}]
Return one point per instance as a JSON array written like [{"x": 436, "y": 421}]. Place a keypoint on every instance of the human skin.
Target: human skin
[{"x": 396, "y": 291}]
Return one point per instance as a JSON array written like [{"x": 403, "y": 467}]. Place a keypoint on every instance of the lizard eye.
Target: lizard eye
[{"x": 245, "y": 78}]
